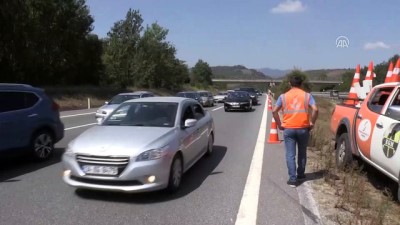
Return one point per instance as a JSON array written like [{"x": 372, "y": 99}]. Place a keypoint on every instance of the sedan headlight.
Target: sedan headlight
[{"x": 153, "y": 154}]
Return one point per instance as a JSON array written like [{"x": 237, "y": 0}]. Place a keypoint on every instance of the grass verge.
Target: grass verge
[{"x": 358, "y": 195}]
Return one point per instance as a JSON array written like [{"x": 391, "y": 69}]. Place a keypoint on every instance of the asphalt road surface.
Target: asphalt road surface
[{"x": 213, "y": 191}]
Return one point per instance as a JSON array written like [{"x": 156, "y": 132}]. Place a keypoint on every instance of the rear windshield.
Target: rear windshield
[{"x": 122, "y": 98}]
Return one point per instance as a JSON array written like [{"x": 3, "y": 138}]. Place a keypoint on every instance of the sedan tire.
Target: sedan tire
[
  {"x": 210, "y": 145},
  {"x": 42, "y": 145},
  {"x": 175, "y": 175}
]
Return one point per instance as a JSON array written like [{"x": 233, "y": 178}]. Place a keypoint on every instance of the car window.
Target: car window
[
  {"x": 180, "y": 95},
  {"x": 187, "y": 113},
  {"x": 12, "y": 101},
  {"x": 147, "y": 114},
  {"x": 379, "y": 98},
  {"x": 198, "y": 111},
  {"x": 203, "y": 94}
]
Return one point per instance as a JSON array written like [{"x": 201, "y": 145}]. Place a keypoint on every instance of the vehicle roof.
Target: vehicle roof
[
  {"x": 390, "y": 84},
  {"x": 17, "y": 86},
  {"x": 162, "y": 99},
  {"x": 203, "y": 91},
  {"x": 187, "y": 92},
  {"x": 135, "y": 93}
]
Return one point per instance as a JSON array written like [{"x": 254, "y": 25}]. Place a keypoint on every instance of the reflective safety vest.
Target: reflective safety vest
[{"x": 295, "y": 109}]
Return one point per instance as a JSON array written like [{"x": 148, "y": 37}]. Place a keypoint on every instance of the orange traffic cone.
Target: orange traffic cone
[
  {"x": 269, "y": 105},
  {"x": 353, "y": 93},
  {"x": 367, "y": 83},
  {"x": 273, "y": 133},
  {"x": 389, "y": 73},
  {"x": 396, "y": 71}
]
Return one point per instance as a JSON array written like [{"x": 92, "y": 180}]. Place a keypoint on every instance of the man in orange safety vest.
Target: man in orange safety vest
[{"x": 296, "y": 125}]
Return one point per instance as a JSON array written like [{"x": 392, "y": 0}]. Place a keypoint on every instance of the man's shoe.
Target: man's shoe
[
  {"x": 302, "y": 177},
  {"x": 292, "y": 183}
]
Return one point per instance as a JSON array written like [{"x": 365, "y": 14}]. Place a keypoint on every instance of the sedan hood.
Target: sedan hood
[{"x": 120, "y": 140}]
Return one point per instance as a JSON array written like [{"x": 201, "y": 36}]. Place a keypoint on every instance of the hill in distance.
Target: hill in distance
[{"x": 237, "y": 72}]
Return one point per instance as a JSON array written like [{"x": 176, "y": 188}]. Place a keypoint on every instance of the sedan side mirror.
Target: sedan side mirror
[{"x": 190, "y": 123}]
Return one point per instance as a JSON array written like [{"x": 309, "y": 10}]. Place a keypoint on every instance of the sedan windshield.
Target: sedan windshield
[
  {"x": 122, "y": 98},
  {"x": 147, "y": 114},
  {"x": 238, "y": 95},
  {"x": 191, "y": 95}
]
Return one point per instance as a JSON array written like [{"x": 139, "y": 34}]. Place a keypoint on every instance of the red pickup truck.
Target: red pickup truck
[{"x": 370, "y": 131}]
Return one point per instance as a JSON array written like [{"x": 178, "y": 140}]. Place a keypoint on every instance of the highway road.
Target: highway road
[{"x": 231, "y": 187}]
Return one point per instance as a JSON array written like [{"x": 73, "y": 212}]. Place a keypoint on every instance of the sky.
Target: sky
[{"x": 279, "y": 34}]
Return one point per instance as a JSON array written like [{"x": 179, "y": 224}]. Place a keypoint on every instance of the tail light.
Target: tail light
[{"x": 55, "y": 106}]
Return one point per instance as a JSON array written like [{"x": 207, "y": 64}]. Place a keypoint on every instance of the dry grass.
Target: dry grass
[{"x": 350, "y": 196}]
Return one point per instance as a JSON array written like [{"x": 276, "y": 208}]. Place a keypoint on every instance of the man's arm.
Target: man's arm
[
  {"x": 314, "y": 112},
  {"x": 275, "y": 113}
]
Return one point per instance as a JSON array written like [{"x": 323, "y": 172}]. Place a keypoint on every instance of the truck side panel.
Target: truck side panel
[{"x": 343, "y": 120}]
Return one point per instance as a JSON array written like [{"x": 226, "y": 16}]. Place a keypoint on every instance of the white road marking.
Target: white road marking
[
  {"x": 85, "y": 125},
  {"x": 217, "y": 108},
  {"x": 307, "y": 201},
  {"x": 81, "y": 114},
  {"x": 247, "y": 214}
]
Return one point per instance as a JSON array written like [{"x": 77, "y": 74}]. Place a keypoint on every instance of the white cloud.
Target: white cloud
[
  {"x": 376, "y": 45},
  {"x": 289, "y": 6}
]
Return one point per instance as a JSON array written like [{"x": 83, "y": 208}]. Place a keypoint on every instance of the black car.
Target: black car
[
  {"x": 238, "y": 100},
  {"x": 252, "y": 92}
]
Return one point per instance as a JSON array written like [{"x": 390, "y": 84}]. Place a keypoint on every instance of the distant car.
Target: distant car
[
  {"x": 206, "y": 98},
  {"x": 106, "y": 109},
  {"x": 220, "y": 97},
  {"x": 29, "y": 119},
  {"x": 189, "y": 94},
  {"x": 148, "y": 148},
  {"x": 252, "y": 92},
  {"x": 238, "y": 100}
]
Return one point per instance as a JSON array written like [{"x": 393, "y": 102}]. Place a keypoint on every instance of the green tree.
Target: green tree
[
  {"x": 347, "y": 79},
  {"x": 285, "y": 85},
  {"x": 201, "y": 73},
  {"x": 120, "y": 49},
  {"x": 41, "y": 41}
]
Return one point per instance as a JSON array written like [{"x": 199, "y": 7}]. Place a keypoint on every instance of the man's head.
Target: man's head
[{"x": 296, "y": 81}]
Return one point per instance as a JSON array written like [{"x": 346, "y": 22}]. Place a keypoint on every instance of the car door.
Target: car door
[
  {"x": 190, "y": 135},
  {"x": 14, "y": 124},
  {"x": 386, "y": 136},
  {"x": 367, "y": 119},
  {"x": 202, "y": 126}
]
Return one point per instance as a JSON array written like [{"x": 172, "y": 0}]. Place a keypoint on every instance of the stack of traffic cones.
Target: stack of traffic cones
[
  {"x": 355, "y": 84},
  {"x": 367, "y": 83},
  {"x": 396, "y": 71},
  {"x": 389, "y": 73}
]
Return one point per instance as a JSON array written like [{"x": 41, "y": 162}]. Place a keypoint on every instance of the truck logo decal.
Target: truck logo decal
[
  {"x": 391, "y": 139},
  {"x": 364, "y": 130}
]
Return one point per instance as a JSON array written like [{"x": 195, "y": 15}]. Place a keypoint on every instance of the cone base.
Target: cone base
[{"x": 273, "y": 142}]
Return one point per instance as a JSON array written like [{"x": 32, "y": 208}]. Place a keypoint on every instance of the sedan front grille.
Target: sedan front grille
[{"x": 120, "y": 162}]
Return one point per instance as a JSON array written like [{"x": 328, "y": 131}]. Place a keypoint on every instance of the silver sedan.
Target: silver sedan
[{"x": 144, "y": 145}]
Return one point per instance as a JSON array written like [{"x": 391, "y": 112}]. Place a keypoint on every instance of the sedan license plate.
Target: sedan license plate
[
  {"x": 101, "y": 170},
  {"x": 235, "y": 106}
]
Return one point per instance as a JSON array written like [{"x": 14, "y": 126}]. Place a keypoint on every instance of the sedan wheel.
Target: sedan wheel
[
  {"x": 42, "y": 145},
  {"x": 175, "y": 177},
  {"x": 210, "y": 145}
]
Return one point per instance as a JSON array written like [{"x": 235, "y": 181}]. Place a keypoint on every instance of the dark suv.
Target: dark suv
[
  {"x": 29, "y": 120},
  {"x": 252, "y": 92}
]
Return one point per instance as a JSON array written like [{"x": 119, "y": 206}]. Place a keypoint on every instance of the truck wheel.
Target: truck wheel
[{"x": 344, "y": 156}]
